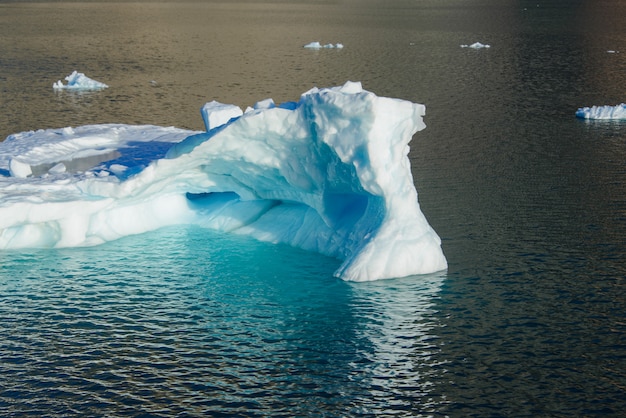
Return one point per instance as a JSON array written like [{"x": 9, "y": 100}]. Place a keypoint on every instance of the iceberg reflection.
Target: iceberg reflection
[{"x": 399, "y": 326}]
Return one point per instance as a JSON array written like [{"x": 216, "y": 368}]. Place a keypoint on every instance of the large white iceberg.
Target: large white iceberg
[
  {"x": 328, "y": 173},
  {"x": 603, "y": 112},
  {"x": 79, "y": 81}
]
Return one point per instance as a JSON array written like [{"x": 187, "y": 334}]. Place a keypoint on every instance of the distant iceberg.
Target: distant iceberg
[
  {"x": 603, "y": 112},
  {"x": 317, "y": 45},
  {"x": 328, "y": 173},
  {"x": 79, "y": 81},
  {"x": 476, "y": 45}
]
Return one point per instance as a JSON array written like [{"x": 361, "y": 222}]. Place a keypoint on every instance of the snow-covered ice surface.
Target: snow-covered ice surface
[
  {"x": 91, "y": 149},
  {"x": 79, "y": 81},
  {"x": 328, "y": 173},
  {"x": 603, "y": 112}
]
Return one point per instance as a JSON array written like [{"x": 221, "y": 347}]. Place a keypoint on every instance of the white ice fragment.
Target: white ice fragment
[
  {"x": 476, "y": 45},
  {"x": 79, "y": 81},
  {"x": 603, "y": 112},
  {"x": 19, "y": 169},
  {"x": 58, "y": 169},
  {"x": 117, "y": 168},
  {"x": 317, "y": 45},
  {"x": 216, "y": 114}
]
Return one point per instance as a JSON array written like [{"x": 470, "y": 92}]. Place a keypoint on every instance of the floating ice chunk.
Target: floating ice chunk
[
  {"x": 476, "y": 45},
  {"x": 603, "y": 112},
  {"x": 79, "y": 81},
  {"x": 328, "y": 173},
  {"x": 317, "y": 45},
  {"x": 216, "y": 114},
  {"x": 117, "y": 168}
]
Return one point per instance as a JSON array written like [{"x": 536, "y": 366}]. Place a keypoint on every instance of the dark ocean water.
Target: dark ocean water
[{"x": 529, "y": 319}]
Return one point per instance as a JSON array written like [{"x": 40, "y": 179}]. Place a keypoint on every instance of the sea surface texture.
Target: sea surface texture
[{"x": 529, "y": 320}]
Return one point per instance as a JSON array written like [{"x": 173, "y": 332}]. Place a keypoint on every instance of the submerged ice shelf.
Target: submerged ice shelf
[{"x": 328, "y": 173}]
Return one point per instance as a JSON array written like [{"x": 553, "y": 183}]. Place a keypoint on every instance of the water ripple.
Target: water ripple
[{"x": 177, "y": 331}]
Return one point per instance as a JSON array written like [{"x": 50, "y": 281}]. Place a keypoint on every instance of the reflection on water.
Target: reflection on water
[
  {"x": 399, "y": 328},
  {"x": 175, "y": 328}
]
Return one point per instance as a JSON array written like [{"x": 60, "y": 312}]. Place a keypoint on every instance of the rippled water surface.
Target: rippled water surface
[
  {"x": 530, "y": 318},
  {"x": 203, "y": 323}
]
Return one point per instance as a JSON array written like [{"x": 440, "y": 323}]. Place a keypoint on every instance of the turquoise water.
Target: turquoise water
[{"x": 186, "y": 321}]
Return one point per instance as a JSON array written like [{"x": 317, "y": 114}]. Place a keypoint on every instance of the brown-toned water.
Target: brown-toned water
[{"x": 530, "y": 203}]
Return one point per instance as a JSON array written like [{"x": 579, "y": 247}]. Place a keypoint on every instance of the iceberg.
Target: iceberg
[
  {"x": 603, "y": 112},
  {"x": 328, "y": 173},
  {"x": 476, "y": 45},
  {"x": 78, "y": 81},
  {"x": 317, "y": 45}
]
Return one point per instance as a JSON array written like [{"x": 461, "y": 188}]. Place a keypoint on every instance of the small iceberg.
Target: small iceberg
[
  {"x": 79, "y": 81},
  {"x": 603, "y": 112},
  {"x": 317, "y": 45},
  {"x": 476, "y": 45}
]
